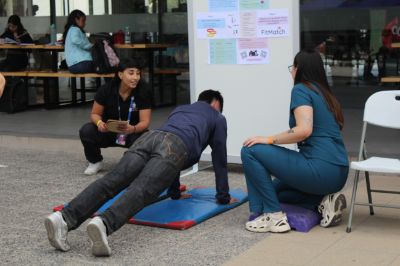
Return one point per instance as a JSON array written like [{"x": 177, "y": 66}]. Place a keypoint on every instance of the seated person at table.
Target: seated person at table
[
  {"x": 146, "y": 169},
  {"x": 17, "y": 59},
  {"x": 77, "y": 46},
  {"x": 125, "y": 98}
]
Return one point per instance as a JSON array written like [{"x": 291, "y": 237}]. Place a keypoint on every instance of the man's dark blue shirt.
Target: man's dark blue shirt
[{"x": 200, "y": 125}]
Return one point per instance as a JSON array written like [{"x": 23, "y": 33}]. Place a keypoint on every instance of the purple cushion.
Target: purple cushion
[{"x": 300, "y": 219}]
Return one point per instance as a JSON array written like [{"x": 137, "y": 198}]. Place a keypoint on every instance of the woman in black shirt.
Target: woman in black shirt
[
  {"x": 16, "y": 59},
  {"x": 125, "y": 98}
]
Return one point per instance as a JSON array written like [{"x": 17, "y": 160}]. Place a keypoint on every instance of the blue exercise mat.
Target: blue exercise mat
[
  {"x": 106, "y": 205},
  {"x": 182, "y": 214}
]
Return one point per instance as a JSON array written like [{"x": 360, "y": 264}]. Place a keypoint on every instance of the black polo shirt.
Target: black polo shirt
[{"x": 109, "y": 98}]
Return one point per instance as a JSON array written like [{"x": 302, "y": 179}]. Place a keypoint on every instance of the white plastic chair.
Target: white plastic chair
[{"x": 381, "y": 109}]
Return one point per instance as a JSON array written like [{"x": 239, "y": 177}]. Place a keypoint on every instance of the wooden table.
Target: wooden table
[
  {"x": 391, "y": 79},
  {"x": 55, "y": 49},
  {"x": 396, "y": 45}
]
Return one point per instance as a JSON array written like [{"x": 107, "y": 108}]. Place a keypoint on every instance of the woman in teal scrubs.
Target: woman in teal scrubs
[{"x": 316, "y": 172}]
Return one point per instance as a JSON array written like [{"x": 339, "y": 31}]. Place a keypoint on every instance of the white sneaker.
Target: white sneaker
[
  {"x": 57, "y": 231},
  {"x": 93, "y": 168},
  {"x": 97, "y": 233},
  {"x": 331, "y": 209},
  {"x": 267, "y": 222}
]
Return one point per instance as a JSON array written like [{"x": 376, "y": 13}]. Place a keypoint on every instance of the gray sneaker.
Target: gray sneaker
[
  {"x": 331, "y": 208},
  {"x": 57, "y": 231},
  {"x": 93, "y": 168},
  {"x": 97, "y": 233}
]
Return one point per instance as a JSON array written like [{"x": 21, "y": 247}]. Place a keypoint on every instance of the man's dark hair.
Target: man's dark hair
[{"x": 209, "y": 95}]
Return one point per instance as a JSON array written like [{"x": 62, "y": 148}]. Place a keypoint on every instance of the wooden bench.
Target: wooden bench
[
  {"x": 50, "y": 93},
  {"x": 48, "y": 74},
  {"x": 170, "y": 71},
  {"x": 58, "y": 74},
  {"x": 390, "y": 79}
]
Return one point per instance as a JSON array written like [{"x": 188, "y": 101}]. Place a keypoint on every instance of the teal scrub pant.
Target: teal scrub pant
[{"x": 298, "y": 180}]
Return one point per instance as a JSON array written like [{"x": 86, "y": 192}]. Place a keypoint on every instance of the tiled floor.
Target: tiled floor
[{"x": 374, "y": 240}]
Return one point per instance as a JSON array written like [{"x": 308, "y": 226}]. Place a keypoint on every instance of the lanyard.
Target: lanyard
[{"x": 131, "y": 107}]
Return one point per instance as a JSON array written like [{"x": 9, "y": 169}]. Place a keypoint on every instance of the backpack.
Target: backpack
[
  {"x": 15, "y": 95},
  {"x": 104, "y": 55}
]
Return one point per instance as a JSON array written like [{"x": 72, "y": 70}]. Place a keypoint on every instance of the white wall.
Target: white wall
[{"x": 256, "y": 96}]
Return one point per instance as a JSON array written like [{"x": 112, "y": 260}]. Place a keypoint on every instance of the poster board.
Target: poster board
[{"x": 256, "y": 96}]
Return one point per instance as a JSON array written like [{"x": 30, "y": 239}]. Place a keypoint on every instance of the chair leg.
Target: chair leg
[
  {"x": 371, "y": 208},
  {"x": 353, "y": 199}
]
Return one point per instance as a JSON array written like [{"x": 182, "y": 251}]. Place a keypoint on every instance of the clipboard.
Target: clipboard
[{"x": 112, "y": 125}]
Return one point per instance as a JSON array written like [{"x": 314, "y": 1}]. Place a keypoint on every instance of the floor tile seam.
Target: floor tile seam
[
  {"x": 249, "y": 248},
  {"x": 375, "y": 250},
  {"x": 348, "y": 235},
  {"x": 324, "y": 250},
  {"x": 376, "y": 214},
  {"x": 396, "y": 258},
  {"x": 372, "y": 217}
]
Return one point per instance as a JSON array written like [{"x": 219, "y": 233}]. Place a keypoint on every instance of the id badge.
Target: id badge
[{"x": 121, "y": 139}]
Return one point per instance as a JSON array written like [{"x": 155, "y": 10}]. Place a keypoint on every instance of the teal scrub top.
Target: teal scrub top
[{"x": 325, "y": 142}]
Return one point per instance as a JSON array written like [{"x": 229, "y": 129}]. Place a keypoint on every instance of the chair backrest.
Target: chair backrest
[{"x": 383, "y": 109}]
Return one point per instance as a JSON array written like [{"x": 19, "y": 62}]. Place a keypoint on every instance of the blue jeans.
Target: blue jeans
[
  {"x": 82, "y": 67},
  {"x": 299, "y": 181},
  {"x": 149, "y": 167}
]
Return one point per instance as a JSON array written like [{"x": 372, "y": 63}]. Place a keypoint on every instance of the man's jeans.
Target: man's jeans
[{"x": 146, "y": 169}]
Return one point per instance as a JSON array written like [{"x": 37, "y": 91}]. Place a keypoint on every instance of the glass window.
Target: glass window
[
  {"x": 40, "y": 8},
  {"x": 355, "y": 39},
  {"x": 99, "y": 8},
  {"x": 78, "y": 4},
  {"x": 24, "y": 8},
  {"x": 176, "y": 6}
]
